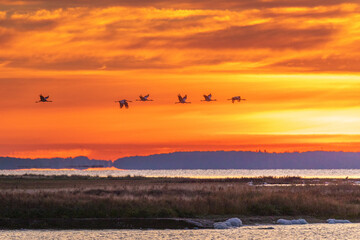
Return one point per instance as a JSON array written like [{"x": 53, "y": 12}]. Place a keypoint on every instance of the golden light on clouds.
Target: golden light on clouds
[{"x": 297, "y": 62}]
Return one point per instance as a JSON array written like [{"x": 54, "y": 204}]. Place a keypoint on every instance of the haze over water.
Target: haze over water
[{"x": 199, "y": 173}]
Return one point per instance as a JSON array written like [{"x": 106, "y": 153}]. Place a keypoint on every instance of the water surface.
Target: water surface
[{"x": 310, "y": 231}]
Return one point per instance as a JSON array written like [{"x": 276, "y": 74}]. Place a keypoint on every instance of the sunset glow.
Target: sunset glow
[{"x": 296, "y": 62}]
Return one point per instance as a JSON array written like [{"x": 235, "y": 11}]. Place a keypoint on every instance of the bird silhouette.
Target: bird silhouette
[
  {"x": 123, "y": 103},
  {"x": 236, "y": 98},
  {"x": 43, "y": 99},
  {"x": 182, "y": 99},
  {"x": 144, "y": 98},
  {"x": 207, "y": 98}
]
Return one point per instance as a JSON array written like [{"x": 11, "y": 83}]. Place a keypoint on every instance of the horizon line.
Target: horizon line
[{"x": 198, "y": 151}]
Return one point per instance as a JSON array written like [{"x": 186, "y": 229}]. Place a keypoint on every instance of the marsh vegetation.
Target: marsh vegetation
[{"x": 32, "y": 196}]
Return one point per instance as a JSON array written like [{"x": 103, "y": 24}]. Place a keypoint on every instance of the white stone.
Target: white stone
[
  {"x": 234, "y": 222},
  {"x": 283, "y": 222},
  {"x": 230, "y": 223},
  {"x": 290, "y": 222},
  {"x": 333, "y": 221},
  {"x": 299, "y": 221},
  {"x": 221, "y": 225}
]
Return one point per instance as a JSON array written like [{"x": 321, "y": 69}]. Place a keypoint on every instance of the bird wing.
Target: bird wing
[
  {"x": 126, "y": 104},
  {"x": 121, "y": 104},
  {"x": 42, "y": 98},
  {"x": 146, "y": 96},
  {"x": 180, "y": 98},
  {"x": 185, "y": 97},
  {"x": 46, "y": 98}
]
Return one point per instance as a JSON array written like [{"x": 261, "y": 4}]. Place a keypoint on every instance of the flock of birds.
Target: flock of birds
[{"x": 182, "y": 99}]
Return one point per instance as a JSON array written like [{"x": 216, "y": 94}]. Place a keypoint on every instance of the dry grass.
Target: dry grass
[{"x": 68, "y": 197}]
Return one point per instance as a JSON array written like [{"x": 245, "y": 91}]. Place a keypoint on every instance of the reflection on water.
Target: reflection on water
[
  {"x": 200, "y": 173},
  {"x": 310, "y": 231}
]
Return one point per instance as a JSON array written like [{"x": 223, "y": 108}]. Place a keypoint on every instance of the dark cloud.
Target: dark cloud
[
  {"x": 240, "y": 37},
  {"x": 285, "y": 3},
  {"x": 125, "y": 62},
  {"x": 5, "y": 37},
  {"x": 337, "y": 13},
  {"x": 178, "y": 23},
  {"x": 320, "y": 64},
  {"x": 189, "y": 4},
  {"x": 259, "y": 36},
  {"x": 28, "y": 25},
  {"x": 90, "y": 63},
  {"x": 119, "y": 28}
]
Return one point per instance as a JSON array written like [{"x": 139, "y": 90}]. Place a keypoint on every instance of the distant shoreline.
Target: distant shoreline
[{"x": 198, "y": 160}]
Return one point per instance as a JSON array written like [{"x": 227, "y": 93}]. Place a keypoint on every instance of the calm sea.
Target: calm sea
[
  {"x": 310, "y": 231},
  {"x": 208, "y": 173}
]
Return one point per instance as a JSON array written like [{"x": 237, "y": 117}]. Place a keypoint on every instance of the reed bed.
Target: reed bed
[{"x": 71, "y": 197}]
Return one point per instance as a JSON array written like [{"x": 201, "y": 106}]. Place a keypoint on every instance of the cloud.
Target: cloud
[
  {"x": 337, "y": 11},
  {"x": 90, "y": 63},
  {"x": 28, "y": 25},
  {"x": 321, "y": 64},
  {"x": 5, "y": 37},
  {"x": 133, "y": 35},
  {"x": 186, "y": 4},
  {"x": 259, "y": 36}
]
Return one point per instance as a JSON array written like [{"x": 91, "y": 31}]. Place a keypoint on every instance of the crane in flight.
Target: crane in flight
[
  {"x": 236, "y": 98},
  {"x": 182, "y": 99},
  {"x": 208, "y": 98},
  {"x": 43, "y": 99},
  {"x": 144, "y": 98},
  {"x": 123, "y": 103}
]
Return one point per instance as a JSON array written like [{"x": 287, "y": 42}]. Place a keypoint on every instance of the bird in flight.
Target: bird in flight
[
  {"x": 182, "y": 99},
  {"x": 236, "y": 98},
  {"x": 208, "y": 98},
  {"x": 43, "y": 99},
  {"x": 144, "y": 98},
  {"x": 123, "y": 103}
]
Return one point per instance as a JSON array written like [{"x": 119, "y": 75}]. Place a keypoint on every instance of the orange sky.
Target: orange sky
[{"x": 297, "y": 62}]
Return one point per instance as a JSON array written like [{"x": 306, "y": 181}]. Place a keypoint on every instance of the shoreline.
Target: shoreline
[
  {"x": 140, "y": 223},
  {"x": 201, "y": 174}
]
